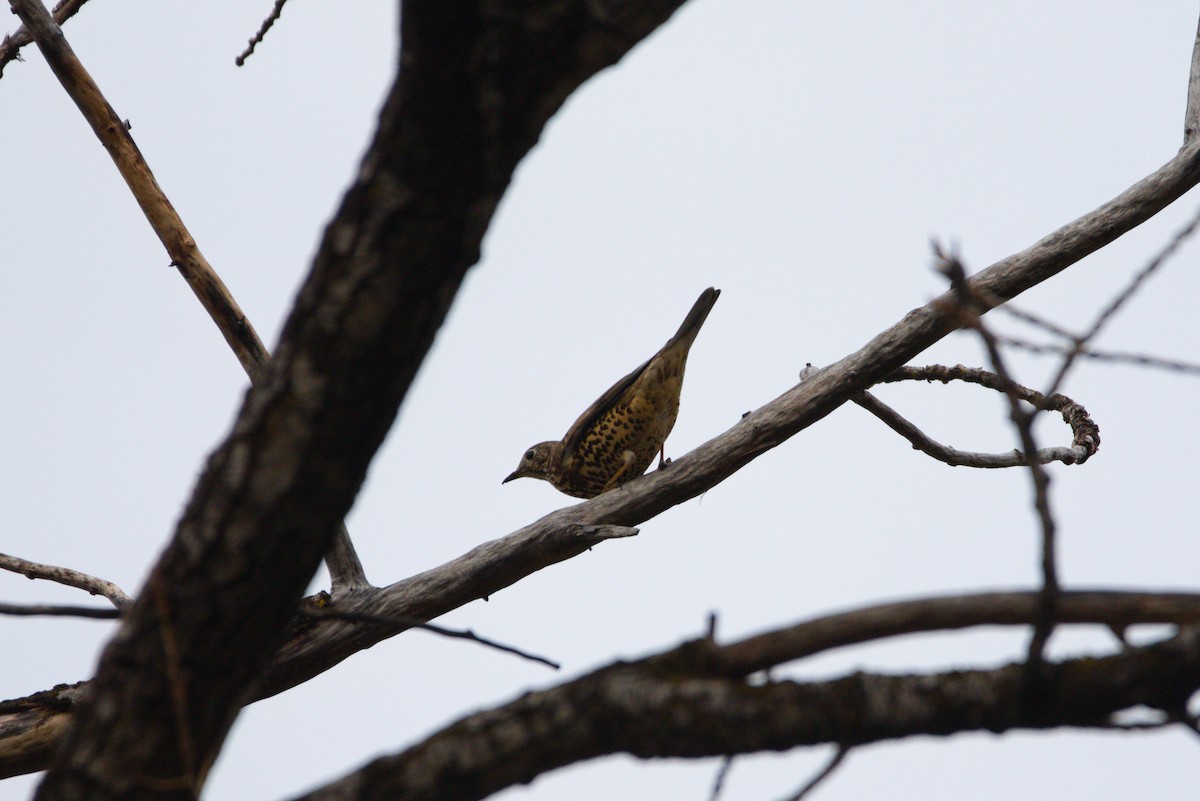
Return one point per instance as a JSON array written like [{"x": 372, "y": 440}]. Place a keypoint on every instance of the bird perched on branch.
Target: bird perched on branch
[{"x": 616, "y": 439}]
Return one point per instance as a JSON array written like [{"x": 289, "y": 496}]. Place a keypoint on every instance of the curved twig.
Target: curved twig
[{"x": 1085, "y": 433}]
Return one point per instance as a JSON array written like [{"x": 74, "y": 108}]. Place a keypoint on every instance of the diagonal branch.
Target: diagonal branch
[
  {"x": 478, "y": 85},
  {"x": 345, "y": 569},
  {"x": 261, "y": 34},
  {"x": 10, "y": 46},
  {"x": 113, "y": 133}
]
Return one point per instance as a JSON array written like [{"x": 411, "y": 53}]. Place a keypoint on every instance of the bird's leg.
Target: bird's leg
[
  {"x": 626, "y": 459},
  {"x": 663, "y": 461}
]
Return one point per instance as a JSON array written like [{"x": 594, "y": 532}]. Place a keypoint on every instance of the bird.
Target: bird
[{"x": 616, "y": 439}]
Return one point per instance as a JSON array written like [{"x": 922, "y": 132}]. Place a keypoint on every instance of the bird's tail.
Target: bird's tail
[{"x": 696, "y": 317}]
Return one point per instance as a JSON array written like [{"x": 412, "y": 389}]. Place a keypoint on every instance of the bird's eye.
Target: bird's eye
[{"x": 529, "y": 454}]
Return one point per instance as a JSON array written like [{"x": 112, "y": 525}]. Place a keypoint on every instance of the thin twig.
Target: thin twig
[
  {"x": 840, "y": 755},
  {"x": 208, "y": 287},
  {"x": 262, "y": 32},
  {"x": 1085, "y": 433},
  {"x": 719, "y": 780},
  {"x": 30, "y": 610},
  {"x": 1114, "y": 357},
  {"x": 951, "y": 266},
  {"x": 1037, "y": 321},
  {"x": 1123, "y": 297},
  {"x": 414, "y": 623},
  {"x": 10, "y": 46},
  {"x": 66, "y": 576}
]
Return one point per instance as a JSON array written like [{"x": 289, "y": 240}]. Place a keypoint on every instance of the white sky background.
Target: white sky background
[{"x": 797, "y": 155}]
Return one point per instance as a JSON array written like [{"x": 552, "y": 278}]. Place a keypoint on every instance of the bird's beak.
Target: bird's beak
[{"x": 512, "y": 475}]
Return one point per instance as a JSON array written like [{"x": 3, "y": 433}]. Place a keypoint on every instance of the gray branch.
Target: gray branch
[{"x": 67, "y": 576}]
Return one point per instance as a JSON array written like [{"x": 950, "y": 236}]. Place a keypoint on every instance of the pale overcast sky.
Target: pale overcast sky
[{"x": 797, "y": 155}]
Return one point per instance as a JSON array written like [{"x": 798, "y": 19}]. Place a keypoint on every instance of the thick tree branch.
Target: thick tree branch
[
  {"x": 345, "y": 570},
  {"x": 30, "y": 727},
  {"x": 500, "y": 563},
  {"x": 670, "y": 706},
  {"x": 477, "y": 85}
]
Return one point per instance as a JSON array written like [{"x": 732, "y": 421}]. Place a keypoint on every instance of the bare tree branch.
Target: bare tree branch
[
  {"x": 32, "y": 610},
  {"x": 1115, "y": 357},
  {"x": 345, "y": 569},
  {"x": 30, "y": 727},
  {"x": 10, "y": 46},
  {"x": 869, "y": 624},
  {"x": 478, "y": 85},
  {"x": 1191, "y": 115},
  {"x": 411, "y": 623},
  {"x": 838, "y": 757},
  {"x": 113, "y": 133},
  {"x": 1085, "y": 433},
  {"x": 276, "y": 11},
  {"x": 1124, "y": 296},
  {"x": 346, "y": 573},
  {"x": 671, "y": 705},
  {"x": 970, "y": 307},
  {"x": 67, "y": 576},
  {"x": 387, "y": 270},
  {"x": 719, "y": 780}
]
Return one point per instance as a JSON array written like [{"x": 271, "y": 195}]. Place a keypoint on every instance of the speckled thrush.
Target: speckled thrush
[{"x": 616, "y": 439}]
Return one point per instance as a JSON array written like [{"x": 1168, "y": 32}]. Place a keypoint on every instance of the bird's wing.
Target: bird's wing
[
  {"x": 685, "y": 335},
  {"x": 588, "y": 419}
]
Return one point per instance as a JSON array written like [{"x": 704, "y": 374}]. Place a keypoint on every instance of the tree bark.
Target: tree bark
[{"x": 477, "y": 83}]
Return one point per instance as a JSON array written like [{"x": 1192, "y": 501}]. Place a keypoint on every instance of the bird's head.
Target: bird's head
[{"x": 537, "y": 462}]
